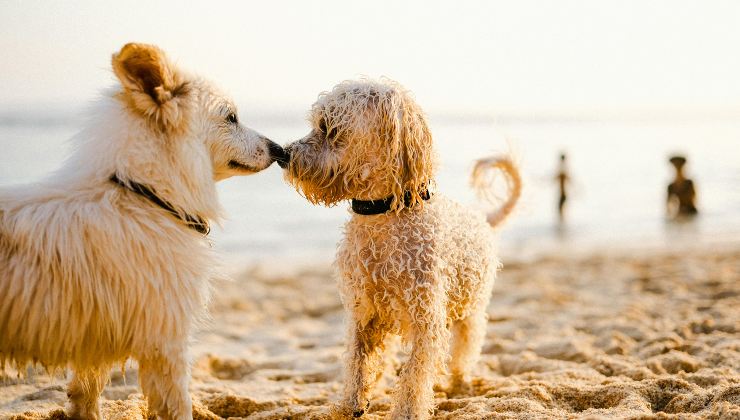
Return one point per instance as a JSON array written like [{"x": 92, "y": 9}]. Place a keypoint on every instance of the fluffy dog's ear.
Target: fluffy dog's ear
[
  {"x": 413, "y": 140},
  {"x": 151, "y": 85}
]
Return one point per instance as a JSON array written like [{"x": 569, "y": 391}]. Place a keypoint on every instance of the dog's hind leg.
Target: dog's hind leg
[
  {"x": 84, "y": 393},
  {"x": 364, "y": 365},
  {"x": 165, "y": 380},
  {"x": 467, "y": 339},
  {"x": 429, "y": 337}
]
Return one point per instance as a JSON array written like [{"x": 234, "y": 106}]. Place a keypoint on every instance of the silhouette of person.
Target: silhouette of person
[
  {"x": 681, "y": 201},
  {"x": 562, "y": 178}
]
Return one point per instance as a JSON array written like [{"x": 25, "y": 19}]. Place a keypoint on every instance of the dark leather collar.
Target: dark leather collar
[
  {"x": 373, "y": 207},
  {"x": 196, "y": 223}
]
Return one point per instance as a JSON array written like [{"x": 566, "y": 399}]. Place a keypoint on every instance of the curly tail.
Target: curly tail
[{"x": 482, "y": 178}]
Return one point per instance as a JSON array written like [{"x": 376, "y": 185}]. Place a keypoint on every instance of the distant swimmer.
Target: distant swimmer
[
  {"x": 562, "y": 179},
  {"x": 681, "y": 192}
]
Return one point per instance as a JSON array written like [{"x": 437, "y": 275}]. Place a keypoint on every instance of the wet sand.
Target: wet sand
[{"x": 641, "y": 336}]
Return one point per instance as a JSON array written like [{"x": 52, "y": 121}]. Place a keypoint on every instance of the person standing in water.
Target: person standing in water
[
  {"x": 562, "y": 179},
  {"x": 681, "y": 201}
]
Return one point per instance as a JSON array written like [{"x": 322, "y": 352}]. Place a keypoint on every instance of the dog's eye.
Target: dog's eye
[
  {"x": 322, "y": 127},
  {"x": 232, "y": 118}
]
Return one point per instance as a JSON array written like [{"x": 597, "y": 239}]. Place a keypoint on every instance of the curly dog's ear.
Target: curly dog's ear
[{"x": 412, "y": 145}]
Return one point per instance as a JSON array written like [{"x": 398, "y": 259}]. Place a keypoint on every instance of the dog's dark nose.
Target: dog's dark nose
[{"x": 279, "y": 155}]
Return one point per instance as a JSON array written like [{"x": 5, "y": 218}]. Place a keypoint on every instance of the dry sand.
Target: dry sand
[{"x": 653, "y": 336}]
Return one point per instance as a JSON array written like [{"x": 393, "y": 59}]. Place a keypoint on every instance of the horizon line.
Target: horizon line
[{"x": 59, "y": 113}]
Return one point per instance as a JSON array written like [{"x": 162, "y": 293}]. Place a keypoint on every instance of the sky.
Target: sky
[{"x": 461, "y": 57}]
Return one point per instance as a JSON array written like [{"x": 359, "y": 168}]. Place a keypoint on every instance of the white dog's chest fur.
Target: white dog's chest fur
[
  {"x": 384, "y": 259},
  {"x": 108, "y": 274}
]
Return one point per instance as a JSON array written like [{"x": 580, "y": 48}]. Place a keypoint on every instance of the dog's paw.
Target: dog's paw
[
  {"x": 75, "y": 412},
  {"x": 358, "y": 413},
  {"x": 340, "y": 411},
  {"x": 347, "y": 411},
  {"x": 461, "y": 389},
  {"x": 456, "y": 387}
]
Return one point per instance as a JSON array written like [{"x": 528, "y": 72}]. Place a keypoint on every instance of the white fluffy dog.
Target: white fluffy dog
[
  {"x": 108, "y": 259},
  {"x": 411, "y": 262}
]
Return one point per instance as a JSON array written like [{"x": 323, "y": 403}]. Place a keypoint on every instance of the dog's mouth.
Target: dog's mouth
[
  {"x": 283, "y": 163},
  {"x": 238, "y": 166}
]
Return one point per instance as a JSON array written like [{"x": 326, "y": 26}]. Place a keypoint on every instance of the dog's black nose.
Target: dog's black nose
[{"x": 278, "y": 154}]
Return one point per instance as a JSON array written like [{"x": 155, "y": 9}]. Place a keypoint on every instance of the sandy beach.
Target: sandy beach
[{"x": 639, "y": 336}]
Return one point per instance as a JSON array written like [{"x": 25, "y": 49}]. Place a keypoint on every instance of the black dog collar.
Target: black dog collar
[
  {"x": 373, "y": 207},
  {"x": 193, "y": 222}
]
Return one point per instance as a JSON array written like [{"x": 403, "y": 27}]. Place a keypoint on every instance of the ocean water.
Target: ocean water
[{"x": 619, "y": 174}]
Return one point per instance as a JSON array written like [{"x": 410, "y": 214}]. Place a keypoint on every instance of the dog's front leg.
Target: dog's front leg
[
  {"x": 364, "y": 365},
  {"x": 165, "y": 380},
  {"x": 429, "y": 337},
  {"x": 84, "y": 393}
]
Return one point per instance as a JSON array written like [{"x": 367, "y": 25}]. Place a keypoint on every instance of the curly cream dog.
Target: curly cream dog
[
  {"x": 108, "y": 259},
  {"x": 411, "y": 262}
]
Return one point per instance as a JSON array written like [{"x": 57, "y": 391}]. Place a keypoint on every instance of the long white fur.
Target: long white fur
[
  {"x": 424, "y": 271},
  {"x": 92, "y": 273}
]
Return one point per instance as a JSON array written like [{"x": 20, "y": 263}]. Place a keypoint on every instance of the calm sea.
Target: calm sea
[{"x": 619, "y": 171}]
